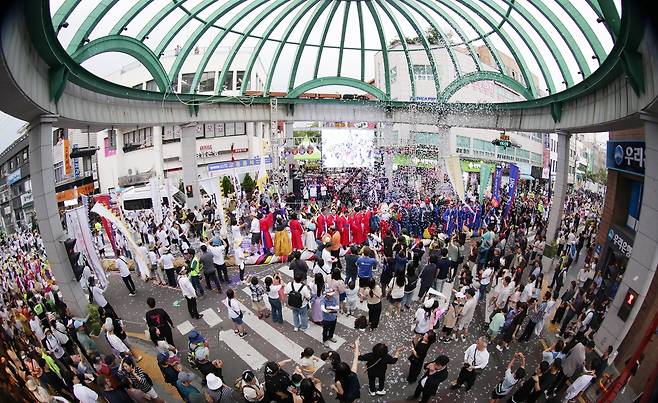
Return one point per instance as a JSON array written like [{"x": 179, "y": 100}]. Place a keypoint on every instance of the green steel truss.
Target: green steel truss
[{"x": 478, "y": 36}]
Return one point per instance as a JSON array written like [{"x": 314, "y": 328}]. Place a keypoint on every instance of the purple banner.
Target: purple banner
[
  {"x": 513, "y": 183},
  {"x": 496, "y": 183}
]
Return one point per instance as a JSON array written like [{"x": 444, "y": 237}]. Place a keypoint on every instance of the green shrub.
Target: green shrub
[
  {"x": 550, "y": 250},
  {"x": 248, "y": 184},
  {"x": 94, "y": 321}
]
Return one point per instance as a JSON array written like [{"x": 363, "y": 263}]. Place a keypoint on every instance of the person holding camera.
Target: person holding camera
[{"x": 476, "y": 358}]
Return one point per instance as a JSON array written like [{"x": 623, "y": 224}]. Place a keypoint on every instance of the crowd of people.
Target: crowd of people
[{"x": 452, "y": 264}]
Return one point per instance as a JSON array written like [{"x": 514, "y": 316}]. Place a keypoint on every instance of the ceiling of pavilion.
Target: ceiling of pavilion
[{"x": 533, "y": 47}]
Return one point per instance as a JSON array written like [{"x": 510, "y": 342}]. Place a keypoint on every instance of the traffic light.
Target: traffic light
[
  {"x": 189, "y": 192},
  {"x": 502, "y": 143},
  {"x": 627, "y": 305},
  {"x": 74, "y": 258}
]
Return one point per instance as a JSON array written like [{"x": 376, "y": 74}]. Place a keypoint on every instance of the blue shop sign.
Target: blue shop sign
[
  {"x": 626, "y": 156},
  {"x": 620, "y": 242},
  {"x": 220, "y": 166},
  {"x": 14, "y": 177}
]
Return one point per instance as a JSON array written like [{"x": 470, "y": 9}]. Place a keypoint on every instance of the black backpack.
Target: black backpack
[{"x": 295, "y": 298}]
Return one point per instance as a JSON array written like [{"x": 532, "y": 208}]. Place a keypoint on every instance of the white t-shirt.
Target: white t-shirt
[
  {"x": 274, "y": 291},
  {"x": 507, "y": 384},
  {"x": 117, "y": 343},
  {"x": 526, "y": 294},
  {"x": 123, "y": 267},
  {"x": 167, "y": 261},
  {"x": 255, "y": 225},
  {"x": 422, "y": 321},
  {"x": 217, "y": 254},
  {"x": 234, "y": 307},
  {"x": 250, "y": 391},
  {"x": 84, "y": 394},
  {"x": 486, "y": 276}
]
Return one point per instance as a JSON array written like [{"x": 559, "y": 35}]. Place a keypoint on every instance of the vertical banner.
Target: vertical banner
[
  {"x": 140, "y": 259},
  {"x": 67, "y": 156},
  {"x": 498, "y": 175},
  {"x": 105, "y": 200},
  {"x": 156, "y": 199},
  {"x": 485, "y": 175},
  {"x": 513, "y": 184},
  {"x": 77, "y": 224},
  {"x": 454, "y": 169}
]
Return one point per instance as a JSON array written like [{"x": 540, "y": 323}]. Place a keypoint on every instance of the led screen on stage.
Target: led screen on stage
[{"x": 347, "y": 148}]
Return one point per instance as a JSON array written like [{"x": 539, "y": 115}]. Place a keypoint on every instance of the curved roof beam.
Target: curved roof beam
[
  {"x": 63, "y": 13},
  {"x": 88, "y": 25},
  {"x": 325, "y": 31},
  {"x": 129, "y": 16},
  {"x": 421, "y": 34},
  {"x": 584, "y": 27},
  {"x": 268, "y": 31},
  {"x": 606, "y": 10},
  {"x": 171, "y": 34},
  {"x": 483, "y": 75},
  {"x": 455, "y": 27},
  {"x": 197, "y": 34},
  {"x": 525, "y": 70},
  {"x": 359, "y": 10},
  {"x": 129, "y": 46},
  {"x": 384, "y": 48},
  {"x": 403, "y": 42},
  {"x": 219, "y": 38},
  {"x": 543, "y": 34},
  {"x": 562, "y": 30},
  {"x": 536, "y": 53},
  {"x": 157, "y": 19},
  {"x": 343, "y": 81},
  {"x": 286, "y": 34},
  {"x": 346, "y": 15},
  {"x": 474, "y": 25},
  {"x": 310, "y": 24}
]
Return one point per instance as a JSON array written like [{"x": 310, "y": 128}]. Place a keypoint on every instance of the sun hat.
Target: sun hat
[
  {"x": 195, "y": 337},
  {"x": 77, "y": 324},
  {"x": 201, "y": 353},
  {"x": 213, "y": 381},
  {"x": 162, "y": 357},
  {"x": 429, "y": 303}
]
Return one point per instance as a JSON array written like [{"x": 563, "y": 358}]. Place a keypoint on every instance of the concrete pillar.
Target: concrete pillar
[
  {"x": 156, "y": 131},
  {"x": 190, "y": 167},
  {"x": 46, "y": 211},
  {"x": 560, "y": 189},
  {"x": 642, "y": 265}
]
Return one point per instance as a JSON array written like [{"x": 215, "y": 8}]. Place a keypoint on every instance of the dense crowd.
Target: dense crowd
[{"x": 443, "y": 260}]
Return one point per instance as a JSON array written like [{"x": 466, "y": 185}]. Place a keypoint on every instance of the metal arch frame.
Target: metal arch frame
[
  {"x": 304, "y": 38},
  {"x": 88, "y": 25},
  {"x": 325, "y": 31},
  {"x": 346, "y": 16},
  {"x": 430, "y": 20},
  {"x": 198, "y": 33},
  {"x": 129, "y": 16},
  {"x": 359, "y": 11},
  {"x": 157, "y": 18},
  {"x": 565, "y": 34},
  {"x": 476, "y": 27},
  {"x": 63, "y": 13},
  {"x": 403, "y": 42},
  {"x": 584, "y": 27},
  {"x": 525, "y": 71},
  {"x": 129, "y": 46},
  {"x": 286, "y": 34},
  {"x": 539, "y": 29},
  {"x": 180, "y": 24},
  {"x": 483, "y": 75},
  {"x": 268, "y": 31},
  {"x": 384, "y": 48},
  {"x": 344, "y": 81},
  {"x": 453, "y": 24}
]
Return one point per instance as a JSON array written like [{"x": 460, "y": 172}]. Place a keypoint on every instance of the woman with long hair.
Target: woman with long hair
[
  {"x": 317, "y": 290},
  {"x": 396, "y": 292}
]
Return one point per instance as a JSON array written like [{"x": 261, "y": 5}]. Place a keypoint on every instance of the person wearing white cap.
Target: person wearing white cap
[
  {"x": 423, "y": 318},
  {"x": 216, "y": 391}
]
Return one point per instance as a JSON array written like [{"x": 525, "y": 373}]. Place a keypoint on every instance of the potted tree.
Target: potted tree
[
  {"x": 227, "y": 186},
  {"x": 248, "y": 185}
]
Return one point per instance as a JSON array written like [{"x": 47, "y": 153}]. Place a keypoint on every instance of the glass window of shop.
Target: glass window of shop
[
  {"x": 422, "y": 72},
  {"x": 227, "y": 85},
  {"x": 522, "y": 155},
  {"x": 536, "y": 158},
  {"x": 484, "y": 148},
  {"x": 207, "y": 82},
  {"x": 463, "y": 144},
  {"x": 186, "y": 82},
  {"x": 506, "y": 153},
  {"x": 239, "y": 78}
]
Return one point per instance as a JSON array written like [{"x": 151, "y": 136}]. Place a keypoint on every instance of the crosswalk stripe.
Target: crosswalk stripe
[
  {"x": 314, "y": 330},
  {"x": 185, "y": 327},
  {"x": 282, "y": 343},
  {"x": 242, "y": 349},
  {"x": 211, "y": 317}
]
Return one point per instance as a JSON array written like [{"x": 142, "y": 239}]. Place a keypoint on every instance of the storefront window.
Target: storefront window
[{"x": 207, "y": 83}]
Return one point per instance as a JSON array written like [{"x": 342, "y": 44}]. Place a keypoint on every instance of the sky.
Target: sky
[{"x": 9, "y": 126}]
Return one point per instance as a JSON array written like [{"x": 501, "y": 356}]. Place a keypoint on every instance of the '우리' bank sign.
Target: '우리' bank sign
[{"x": 626, "y": 156}]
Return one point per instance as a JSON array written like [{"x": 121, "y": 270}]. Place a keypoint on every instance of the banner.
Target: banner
[
  {"x": 513, "y": 184},
  {"x": 496, "y": 183},
  {"x": 454, "y": 169},
  {"x": 156, "y": 200},
  {"x": 105, "y": 200},
  {"x": 140, "y": 259},
  {"x": 77, "y": 224},
  {"x": 485, "y": 175},
  {"x": 67, "y": 157},
  {"x": 212, "y": 186}
]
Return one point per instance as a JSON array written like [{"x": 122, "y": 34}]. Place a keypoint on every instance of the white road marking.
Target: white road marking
[
  {"x": 314, "y": 330},
  {"x": 242, "y": 349},
  {"x": 211, "y": 317},
  {"x": 185, "y": 327}
]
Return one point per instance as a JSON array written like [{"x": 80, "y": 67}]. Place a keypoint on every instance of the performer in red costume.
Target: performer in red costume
[
  {"x": 296, "y": 232},
  {"x": 343, "y": 227},
  {"x": 265, "y": 226},
  {"x": 322, "y": 223}
]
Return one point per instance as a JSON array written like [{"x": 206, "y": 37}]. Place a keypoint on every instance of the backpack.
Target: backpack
[
  {"x": 361, "y": 322},
  {"x": 295, "y": 299},
  {"x": 191, "y": 355}
]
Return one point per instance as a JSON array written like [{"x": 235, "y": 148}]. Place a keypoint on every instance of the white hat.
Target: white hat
[
  {"x": 109, "y": 326},
  {"x": 460, "y": 295},
  {"x": 429, "y": 303},
  {"x": 213, "y": 381}
]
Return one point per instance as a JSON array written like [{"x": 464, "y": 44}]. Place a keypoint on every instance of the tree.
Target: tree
[
  {"x": 227, "y": 186},
  {"x": 248, "y": 184}
]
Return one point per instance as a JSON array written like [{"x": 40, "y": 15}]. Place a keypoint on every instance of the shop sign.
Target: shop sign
[
  {"x": 206, "y": 151},
  {"x": 76, "y": 164},
  {"x": 67, "y": 157},
  {"x": 26, "y": 198},
  {"x": 7, "y": 210},
  {"x": 620, "y": 242},
  {"x": 69, "y": 194},
  {"x": 219, "y": 166},
  {"x": 474, "y": 166},
  {"x": 626, "y": 156},
  {"x": 14, "y": 177}
]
